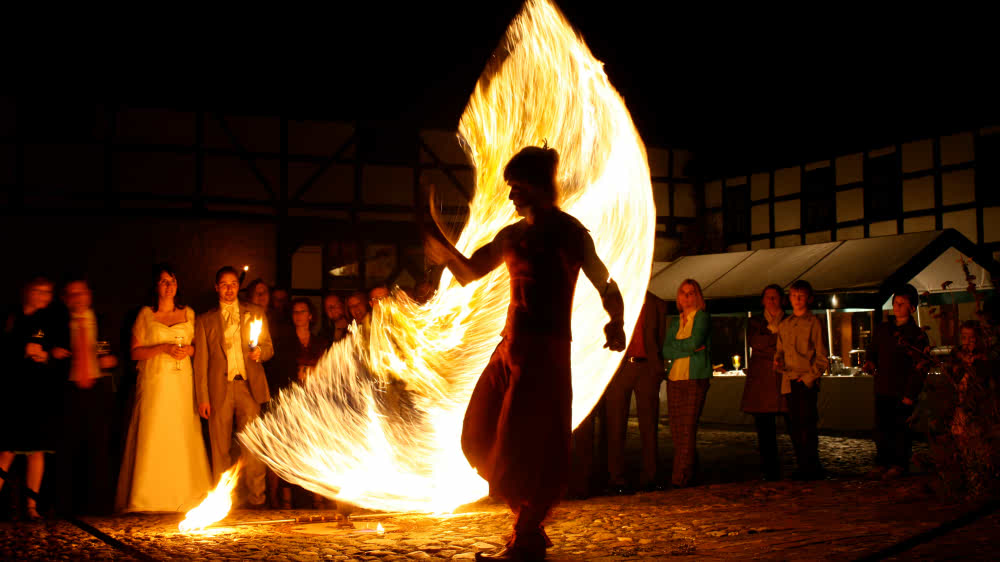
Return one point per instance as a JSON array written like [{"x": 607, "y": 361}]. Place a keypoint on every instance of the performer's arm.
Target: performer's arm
[
  {"x": 611, "y": 298},
  {"x": 466, "y": 270}
]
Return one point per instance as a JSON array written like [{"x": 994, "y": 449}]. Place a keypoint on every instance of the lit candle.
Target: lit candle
[
  {"x": 736, "y": 362},
  {"x": 255, "y": 328},
  {"x": 246, "y": 268}
]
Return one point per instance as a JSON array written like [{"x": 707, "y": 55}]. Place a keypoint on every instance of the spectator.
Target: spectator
[
  {"x": 259, "y": 293},
  {"x": 230, "y": 384},
  {"x": 800, "y": 358},
  {"x": 307, "y": 351},
  {"x": 898, "y": 383},
  {"x": 641, "y": 371},
  {"x": 357, "y": 305},
  {"x": 376, "y": 293},
  {"x": 165, "y": 467},
  {"x": 334, "y": 325},
  {"x": 279, "y": 305},
  {"x": 29, "y": 413},
  {"x": 688, "y": 344},
  {"x": 309, "y": 348},
  {"x": 86, "y": 475},
  {"x": 762, "y": 397}
]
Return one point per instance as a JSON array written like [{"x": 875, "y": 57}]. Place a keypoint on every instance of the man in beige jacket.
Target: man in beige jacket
[{"x": 229, "y": 379}]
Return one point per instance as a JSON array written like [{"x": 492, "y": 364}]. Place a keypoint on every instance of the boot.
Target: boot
[{"x": 522, "y": 547}]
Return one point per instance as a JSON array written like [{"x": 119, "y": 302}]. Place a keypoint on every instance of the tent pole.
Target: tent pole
[
  {"x": 746, "y": 340},
  {"x": 829, "y": 332}
]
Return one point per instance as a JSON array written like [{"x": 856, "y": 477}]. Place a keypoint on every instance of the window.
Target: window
[
  {"x": 988, "y": 171},
  {"x": 883, "y": 191},
  {"x": 737, "y": 213},
  {"x": 819, "y": 203}
]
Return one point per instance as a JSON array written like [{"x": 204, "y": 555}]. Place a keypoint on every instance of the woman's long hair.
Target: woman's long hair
[
  {"x": 158, "y": 270},
  {"x": 699, "y": 303}
]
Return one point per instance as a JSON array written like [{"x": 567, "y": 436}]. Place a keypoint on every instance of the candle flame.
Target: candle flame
[
  {"x": 255, "y": 328},
  {"x": 380, "y": 529},
  {"x": 379, "y": 421},
  {"x": 217, "y": 505}
]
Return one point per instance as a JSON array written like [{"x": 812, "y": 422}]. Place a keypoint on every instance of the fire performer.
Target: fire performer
[{"x": 518, "y": 423}]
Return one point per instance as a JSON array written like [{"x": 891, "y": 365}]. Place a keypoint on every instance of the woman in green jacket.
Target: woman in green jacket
[{"x": 688, "y": 345}]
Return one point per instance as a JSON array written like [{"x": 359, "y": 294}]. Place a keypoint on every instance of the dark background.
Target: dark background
[{"x": 743, "y": 90}]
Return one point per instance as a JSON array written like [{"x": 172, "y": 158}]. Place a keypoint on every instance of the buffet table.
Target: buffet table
[{"x": 845, "y": 403}]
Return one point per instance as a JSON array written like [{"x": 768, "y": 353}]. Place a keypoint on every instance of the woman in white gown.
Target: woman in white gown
[{"x": 165, "y": 467}]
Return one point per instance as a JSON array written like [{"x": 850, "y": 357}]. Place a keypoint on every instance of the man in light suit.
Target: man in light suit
[
  {"x": 641, "y": 371},
  {"x": 229, "y": 379}
]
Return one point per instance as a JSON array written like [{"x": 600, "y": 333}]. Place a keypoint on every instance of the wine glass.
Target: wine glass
[{"x": 179, "y": 340}]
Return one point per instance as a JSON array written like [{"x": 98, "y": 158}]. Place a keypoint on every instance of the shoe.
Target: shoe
[
  {"x": 513, "y": 553},
  {"x": 257, "y": 506},
  {"x": 31, "y": 514},
  {"x": 524, "y": 547},
  {"x": 893, "y": 473}
]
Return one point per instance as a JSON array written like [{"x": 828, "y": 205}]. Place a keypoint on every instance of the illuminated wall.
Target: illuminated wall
[{"x": 948, "y": 181}]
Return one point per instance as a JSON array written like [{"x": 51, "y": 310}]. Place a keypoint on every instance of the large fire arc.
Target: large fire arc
[{"x": 378, "y": 423}]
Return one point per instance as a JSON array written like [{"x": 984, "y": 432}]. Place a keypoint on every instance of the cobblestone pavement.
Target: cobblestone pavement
[{"x": 730, "y": 516}]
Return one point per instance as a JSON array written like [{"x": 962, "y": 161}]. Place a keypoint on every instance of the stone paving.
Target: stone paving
[{"x": 730, "y": 516}]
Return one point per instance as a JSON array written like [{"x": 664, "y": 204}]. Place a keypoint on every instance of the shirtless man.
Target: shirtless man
[{"x": 518, "y": 423}]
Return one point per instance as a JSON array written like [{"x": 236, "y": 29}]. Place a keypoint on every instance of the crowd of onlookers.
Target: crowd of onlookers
[
  {"x": 59, "y": 392},
  {"x": 63, "y": 390},
  {"x": 788, "y": 358}
]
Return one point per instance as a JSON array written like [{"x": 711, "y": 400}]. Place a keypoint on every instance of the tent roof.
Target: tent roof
[{"x": 865, "y": 271}]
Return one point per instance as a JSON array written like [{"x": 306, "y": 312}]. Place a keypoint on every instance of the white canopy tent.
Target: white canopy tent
[{"x": 861, "y": 273}]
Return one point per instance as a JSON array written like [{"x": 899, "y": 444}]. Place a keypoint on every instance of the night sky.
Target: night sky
[{"x": 748, "y": 90}]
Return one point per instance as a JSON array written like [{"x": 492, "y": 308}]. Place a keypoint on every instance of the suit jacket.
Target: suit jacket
[
  {"x": 210, "y": 364},
  {"x": 654, "y": 331}
]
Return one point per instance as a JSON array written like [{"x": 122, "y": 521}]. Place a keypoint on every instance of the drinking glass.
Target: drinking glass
[{"x": 180, "y": 343}]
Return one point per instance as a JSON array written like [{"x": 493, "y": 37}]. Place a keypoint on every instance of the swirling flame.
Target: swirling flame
[{"x": 352, "y": 432}]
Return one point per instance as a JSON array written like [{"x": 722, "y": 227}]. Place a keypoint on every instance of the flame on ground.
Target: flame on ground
[
  {"x": 217, "y": 505},
  {"x": 378, "y": 423}
]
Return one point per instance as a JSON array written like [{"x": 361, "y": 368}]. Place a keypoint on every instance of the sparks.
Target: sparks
[{"x": 349, "y": 433}]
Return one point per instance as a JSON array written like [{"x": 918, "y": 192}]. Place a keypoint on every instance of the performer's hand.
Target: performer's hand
[
  {"x": 255, "y": 354},
  {"x": 434, "y": 249},
  {"x": 60, "y": 353},
  {"x": 615, "y": 334},
  {"x": 204, "y": 410}
]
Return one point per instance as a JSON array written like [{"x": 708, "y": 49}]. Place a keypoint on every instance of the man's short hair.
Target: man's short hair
[
  {"x": 534, "y": 165},
  {"x": 909, "y": 292},
  {"x": 803, "y": 285},
  {"x": 224, "y": 270}
]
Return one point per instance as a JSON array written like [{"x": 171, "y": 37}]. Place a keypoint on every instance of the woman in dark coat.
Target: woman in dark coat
[
  {"x": 762, "y": 396},
  {"x": 28, "y": 415}
]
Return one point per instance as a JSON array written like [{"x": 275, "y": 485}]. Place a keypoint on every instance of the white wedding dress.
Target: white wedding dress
[{"x": 165, "y": 466}]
